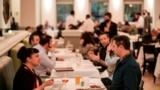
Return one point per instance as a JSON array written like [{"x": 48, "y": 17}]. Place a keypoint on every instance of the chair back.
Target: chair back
[
  {"x": 148, "y": 51},
  {"x": 136, "y": 47},
  {"x": 7, "y": 73},
  {"x": 13, "y": 55}
]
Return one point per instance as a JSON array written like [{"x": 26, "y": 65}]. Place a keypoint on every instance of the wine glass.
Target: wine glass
[{"x": 65, "y": 79}]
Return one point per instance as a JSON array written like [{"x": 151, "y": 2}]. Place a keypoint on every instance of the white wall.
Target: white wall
[
  {"x": 48, "y": 12},
  {"x": 156, "y": 11},
  {"x": 81, "y": 8},
  {"x": 38, "y": 12},
  {"x": 149, "y": 6},
  {"x": 15, "y": 8},
  {"x": 116, "y": 7},
  {"x": 27, "y": 13},
  {"x": 153, "y": 6}
]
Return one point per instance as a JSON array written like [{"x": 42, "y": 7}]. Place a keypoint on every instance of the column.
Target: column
[
  {"x": 116, "y": 7},
  {"x": 15, "y": 8},
  {"x": 29, "y": 14},
  {"x": 156, "y": 11},
  {"x": 48, "y": 12},
  {"x": 153, "y": 7},
  {"x": 1, "y": 15},
  {"x": 81, "y": 8}
]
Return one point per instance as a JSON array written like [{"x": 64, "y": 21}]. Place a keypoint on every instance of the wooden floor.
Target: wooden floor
[{"x": 148, "y": 82}]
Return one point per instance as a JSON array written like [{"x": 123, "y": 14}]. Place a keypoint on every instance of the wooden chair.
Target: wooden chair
[
  {"x": 136, "y": 47},
  {"x": 150, "y": 57}
]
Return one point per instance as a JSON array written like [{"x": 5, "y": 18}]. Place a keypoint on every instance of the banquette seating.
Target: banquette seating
[{"x": 6, "y": 73}]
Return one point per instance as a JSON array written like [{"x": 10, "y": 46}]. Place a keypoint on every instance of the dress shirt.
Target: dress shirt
[
  {"x": 70, "y": 20},
  {"x": 88, "y": 25},
  {"x": 46, "y": 62},
  {"x": 111, "y": 63},
  {"x": 111, "y": 60},
  {"x": 140, "y": 22}
]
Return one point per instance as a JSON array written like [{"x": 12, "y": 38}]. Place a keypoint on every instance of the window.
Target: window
[
  {"x": 63, "y": 10},
  {"x": 98, "y": 9},
  {"x": 131, "y": 10}
]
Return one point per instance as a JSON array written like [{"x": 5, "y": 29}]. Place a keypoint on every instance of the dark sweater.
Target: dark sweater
[
  {"x": 127, "y": 75},
  {"x": 25, "y": 79}
]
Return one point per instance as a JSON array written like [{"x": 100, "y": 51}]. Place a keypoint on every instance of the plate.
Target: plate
[{"x": 96, "y": 87}]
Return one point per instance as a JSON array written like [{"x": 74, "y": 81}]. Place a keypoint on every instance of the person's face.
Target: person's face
[
  {"x": 30, "y": 30},
  {"x": 50, "y": 44},
  {"x": 116, "y": 49},
  {"x": 136, "y": 16},
  {"x": 43, "y": 31},
  {"x": 34, "y": 60},
  {"x": 81, "y": 41},
  {"x": 106, "y": 17},
  {"x": 35, "y": 40},
  {"x": 104, "y": 39}
]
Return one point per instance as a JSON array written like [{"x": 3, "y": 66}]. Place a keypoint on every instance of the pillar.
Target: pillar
[
  {"x": 116, "y": 7},
  {"x": 81, "y": 8},
  {"x": 48, "y": 12}
]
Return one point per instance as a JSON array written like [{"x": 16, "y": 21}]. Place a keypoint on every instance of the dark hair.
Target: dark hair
[
  {"x": 106, "y": 33},
  {"x": 28, "y": 27},
  {"x": 39, "y": 28},
  {"x": 138, "y": 13},
  {"x": 72, "y": 12},
  {"x": 108, "y": 14},
  {"x": 88, "y": 38},
  {"x": 45, "y": 39},
  {"x": 122, "y": 40},
  {"x": 88, "y": 16},
  {"x": 32, "y": 36},
  {"x": 23, "y": 53},
  {"x": 126, "y": 23}
]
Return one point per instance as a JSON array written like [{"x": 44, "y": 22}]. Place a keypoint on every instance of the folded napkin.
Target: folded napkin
[{"x": 61, "y": 69}]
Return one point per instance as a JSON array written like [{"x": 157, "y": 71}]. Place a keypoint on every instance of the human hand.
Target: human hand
[
  {"x": 52, "y": 49},
  {"x": 48, "y": 72},
  {"x": 55, "y": 44},
  {"x": 90, "y": 53},
  {"x": 49, "y": 82},
  {"x": 109, "y": 47}
]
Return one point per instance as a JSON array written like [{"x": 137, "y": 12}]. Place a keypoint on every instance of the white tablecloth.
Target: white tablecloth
[
  {"x": 157, "y": 68},
  {"x": 64, "y": 53},
  {"x": 71, "y": 84},
  {"x": 85, "y": 69}
]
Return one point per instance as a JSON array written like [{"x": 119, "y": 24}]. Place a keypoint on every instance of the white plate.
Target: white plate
[{"x": 96, "y": 88}]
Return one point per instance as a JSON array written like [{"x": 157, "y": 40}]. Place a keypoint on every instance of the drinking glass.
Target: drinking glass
[
  {"x": 65, "y": 79},
  {"x": 78, "y": 59}
]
